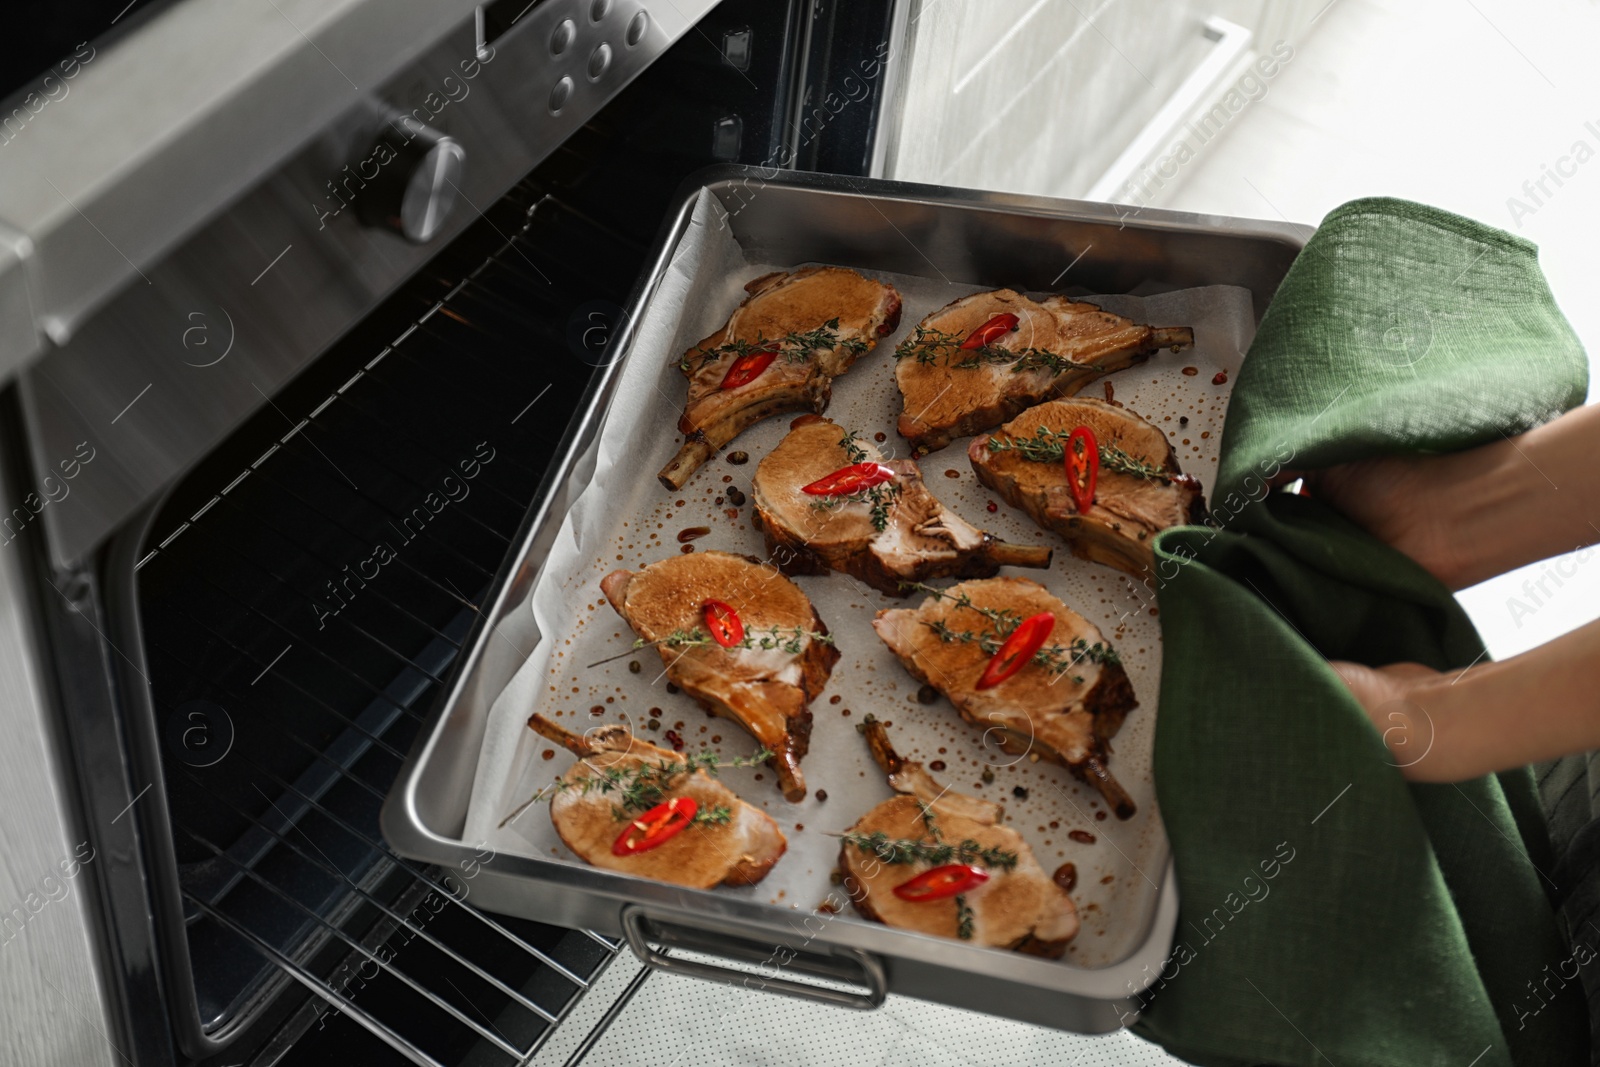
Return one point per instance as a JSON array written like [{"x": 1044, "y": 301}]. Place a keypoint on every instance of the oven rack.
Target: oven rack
[{"x": 268, "y": 636}]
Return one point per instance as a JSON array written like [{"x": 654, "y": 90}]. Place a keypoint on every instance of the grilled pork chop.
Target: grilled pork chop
[
  {"x": 1066, "y": 702},
  {"x": 1019, "y": 907},
  {"x": 767, "y": 679},
  {"x": 1139, "y": 492},
  {"x": 885, "y": 535},
  {"x": 1057, "y": 347},
  {"x": 729, "y": 843},
  {"x": 816, "y": 321}
]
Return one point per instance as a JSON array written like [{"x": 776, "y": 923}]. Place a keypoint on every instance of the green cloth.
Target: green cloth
[{"x": 1331, "y": 912}]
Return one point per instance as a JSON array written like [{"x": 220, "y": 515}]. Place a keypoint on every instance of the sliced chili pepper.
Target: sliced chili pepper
[
  {"x": 656, "y": 826},
  {"x": 1018, "y": 649},
  {"x": 991, "y": 331},
  {"x": 850, "y": 479},
  {"x": 727, "y": 629},
  {"x": 942, "y": 882},
  {"x": 1083, "y": 467},
  {"x": 748, "y": 367}
]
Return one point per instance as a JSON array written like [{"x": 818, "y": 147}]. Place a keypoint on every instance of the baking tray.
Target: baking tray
[{"x": 960, "y": 238}]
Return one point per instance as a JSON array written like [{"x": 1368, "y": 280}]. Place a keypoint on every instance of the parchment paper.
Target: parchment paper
[{"x": 624, "y": 518}]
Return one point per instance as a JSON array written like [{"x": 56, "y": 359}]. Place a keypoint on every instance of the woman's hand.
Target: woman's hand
[
  {"x": 1389, "y": 497},
  {"x": 1468, "y": 516},
  {"x": 1389, "y": 695},
  {"x": 1491, "y": 717}
]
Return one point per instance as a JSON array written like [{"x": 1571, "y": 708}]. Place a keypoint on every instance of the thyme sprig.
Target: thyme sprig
[
  {"x": 644, "y": 785},
  {"x": 882, "y": 498},
  {"x": 1041, "y": 359},
  {"x": 928, "y": 346},
  {"x": 964, "y": 918},
  {"x": 717, "y": 816},
  {"x": 795, "y": 347},
  {"x": 938, "y": 853},
  {"x": 849, "y": 442},
  {"x": 790, "y": 639},
  {"x": 925, "y": 345},
  {"x": 1058, "y": 659},
  {"x": 1049, "y": 446}
]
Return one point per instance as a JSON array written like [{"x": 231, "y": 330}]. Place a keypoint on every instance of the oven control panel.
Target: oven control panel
[{"x": 153, "y": 379}]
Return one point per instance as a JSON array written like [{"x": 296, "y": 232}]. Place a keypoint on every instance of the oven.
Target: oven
[{"x": 299, "y": 301}]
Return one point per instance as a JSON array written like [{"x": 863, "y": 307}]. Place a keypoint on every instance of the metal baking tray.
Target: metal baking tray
[{"x": 962, "y": 236}]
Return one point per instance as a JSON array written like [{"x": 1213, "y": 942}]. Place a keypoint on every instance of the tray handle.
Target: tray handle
[{"x": 840, "y": 963}]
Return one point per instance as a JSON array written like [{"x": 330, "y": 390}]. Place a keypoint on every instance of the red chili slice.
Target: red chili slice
[
  {"x": 941, "y": 882},
  {"x": 850, "y": 479},
  {"x": 727, "y": 629},
  {"x": 748, "y": 367},
  {"x": 1018, "y": 648},
  {"x": 991, "y": 331},
  {"x": 1083, "y": 468},
  {"x": 656, "y": 826}
]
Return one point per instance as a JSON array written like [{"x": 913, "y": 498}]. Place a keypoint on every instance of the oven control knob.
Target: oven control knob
[{"x": 418, "y": 180}]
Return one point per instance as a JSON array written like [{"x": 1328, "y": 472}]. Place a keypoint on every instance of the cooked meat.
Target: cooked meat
[
  {"x": 818, "y": 321},
  {"x": 1140, "y": 490},
  {"x": 738, "y": 849},
  {"x": 1020, "y": 907},
  {"x": 767, "y": 681},
  {"x": 1058, "y": 347},
  {"x": 885, "y": 535},
  {"x": 1066, "y": 703}
]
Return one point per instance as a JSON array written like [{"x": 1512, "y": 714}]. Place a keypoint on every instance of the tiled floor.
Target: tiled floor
[
  {"x": 677, "y": 1021},
  {"x": 1456, "y": 103}
]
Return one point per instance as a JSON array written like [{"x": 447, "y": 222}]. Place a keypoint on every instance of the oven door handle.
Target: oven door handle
[{"x": 839, "y": 963}]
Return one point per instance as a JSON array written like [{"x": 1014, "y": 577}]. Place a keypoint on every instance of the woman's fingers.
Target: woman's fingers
[{"x": 1388, "y": 696}]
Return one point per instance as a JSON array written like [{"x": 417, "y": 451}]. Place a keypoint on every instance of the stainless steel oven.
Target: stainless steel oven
[{"x": 282, "y": 281}]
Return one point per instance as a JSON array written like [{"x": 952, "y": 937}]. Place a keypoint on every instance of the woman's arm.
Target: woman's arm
[
  {"x": 1471, "y": 515},
  {"x": 1540, "y": 705}
]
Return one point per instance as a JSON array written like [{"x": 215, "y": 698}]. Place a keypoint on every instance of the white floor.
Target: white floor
[
  {"x": 1455, "y": 103},
  {"x": 676, "y": 1021},
  {"x": 1451, "y": 102}
]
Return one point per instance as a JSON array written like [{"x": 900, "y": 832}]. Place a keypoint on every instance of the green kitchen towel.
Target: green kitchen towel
[{"x": 1332, "y": 913}]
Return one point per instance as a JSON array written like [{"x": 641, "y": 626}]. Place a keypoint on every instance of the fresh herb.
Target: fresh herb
[
  {"x": 1041, "y": 359},
  {"x": 936, "y": 852},
  {"x": 794, "y": 347},
  {"x": 789, "y": 639},
  {"x": 926, "y": 345},
  {"x": 717, "y": 816},
  {"x": 1058, "y": 659},
  {"x": 851, "y": 448},
  {"x": 643, "y": 785},
  {"x": 1113, "y": 458},
  {"x": 929, "y": 346},
  {"x": 1049, "y": 446},
  {"x": 881, "y": 497},
  {"x": 963, "y": 918}
]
